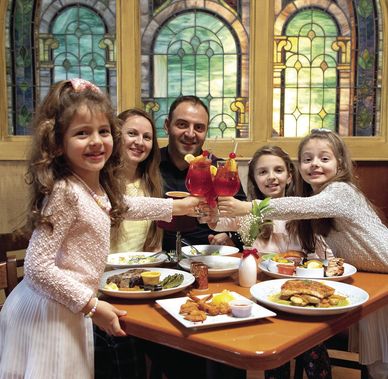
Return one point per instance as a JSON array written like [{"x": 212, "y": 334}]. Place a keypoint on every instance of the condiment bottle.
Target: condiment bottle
[
  {"x": 247, "y": 272},
  {"x": 200, "y": 272}
]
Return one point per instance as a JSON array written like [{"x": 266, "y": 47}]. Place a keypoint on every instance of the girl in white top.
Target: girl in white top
[
  {"x": 76, "y": 195},
  {"x": 332, "y": 205}
]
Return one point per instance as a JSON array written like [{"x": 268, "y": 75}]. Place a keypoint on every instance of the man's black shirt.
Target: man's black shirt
[{"x": 174, "y": 180}]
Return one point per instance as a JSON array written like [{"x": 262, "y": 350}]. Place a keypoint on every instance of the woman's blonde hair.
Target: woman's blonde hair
[{"x": 47, "y": 164}]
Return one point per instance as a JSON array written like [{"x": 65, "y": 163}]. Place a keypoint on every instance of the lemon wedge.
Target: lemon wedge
[
  {"x": 189, "y": 158},
  {"x": 213, "y": 170},
  {"x": 111, "y": 286},
  {"x": 224, "y": 297},
  {"x": 314, "y": 264},
  {"x": 232, "y": 165}
]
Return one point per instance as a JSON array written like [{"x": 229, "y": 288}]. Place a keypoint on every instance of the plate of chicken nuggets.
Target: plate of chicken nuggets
[{"x": 200, "y": 312}]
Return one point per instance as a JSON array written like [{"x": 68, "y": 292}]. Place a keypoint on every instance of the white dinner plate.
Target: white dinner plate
[
  {"x": 349, "y": 270},
  {"x": 263, "y": 290},
  {"x": 188, "y": 279},
  {"x": 130, "y": 259},
  {"x": 218, "y": 266},
  {"x": 172, "y": 306},
  {"x": 188, "y": 251}
]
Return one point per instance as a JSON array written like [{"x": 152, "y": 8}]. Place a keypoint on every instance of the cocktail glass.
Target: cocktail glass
[
  {"x": 226, "y": 181},
  {"x": 199, "y": 180}
]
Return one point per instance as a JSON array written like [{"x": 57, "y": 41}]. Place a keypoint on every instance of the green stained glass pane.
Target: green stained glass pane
[
  {"x": 163, "y": 41},
  {"x": 208, "y": 21},
  {"x": 316, "y": 77},
  {"x": 329, "y": 122},
  {"x": 79, "y": 30},
  {"x": 291, "y": 77},
  {"x": 203, "y": 67},
  {"x": 160, "y": 67},
  {"x": 175, "y": 24},
  {"x": 202, "y": 57},
  {"x": 304, "y": 100},
  {"x": 188, "y": 72},
  {"x": 227, "y": 41},
  {"x": 310, "y": 72},
  {"x": 304, "y": 77},
  {"x": 330, "y": 100},
  {"x": 290, "y": 96}
]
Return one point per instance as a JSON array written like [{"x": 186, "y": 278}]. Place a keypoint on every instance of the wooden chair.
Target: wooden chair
[
  {"x": 11, "y": 242},
  {"x": 339, "y": 356},
  {"x": 8, "y": 275}
]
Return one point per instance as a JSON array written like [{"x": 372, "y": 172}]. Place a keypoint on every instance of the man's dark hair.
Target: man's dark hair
[{"x": 192, "y": 99}]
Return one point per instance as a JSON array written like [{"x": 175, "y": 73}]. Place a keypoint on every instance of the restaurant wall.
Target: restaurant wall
[{"x": 373, "y": 177}]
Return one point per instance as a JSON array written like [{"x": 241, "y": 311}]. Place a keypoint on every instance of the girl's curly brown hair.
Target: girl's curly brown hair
[{"x": 47, "y": 165}]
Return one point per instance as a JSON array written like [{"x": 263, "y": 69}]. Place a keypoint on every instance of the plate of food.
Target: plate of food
[
  {"x": 135, "y": 259},
  {"x": 130, "y": 283},
  {"x": 276, "y": 266},
  {"x": 213, "y": 309},
  {"x": 189, "y": 251},
  {"x": 309, "y": 297},
  {"x": 218, "y": 266}
]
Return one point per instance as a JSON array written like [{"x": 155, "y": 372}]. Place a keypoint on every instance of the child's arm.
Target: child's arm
[
  {"x": 105, "y": 316},
  {"x": 231, "y": 207},
  {"x": 150, "y": 208}
]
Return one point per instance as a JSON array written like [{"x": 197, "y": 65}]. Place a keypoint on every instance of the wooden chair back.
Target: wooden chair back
[
  {"x": 8, "y": 275},
  {"x": 16, "y": 240},
  {"x": 9, "y": 264}
]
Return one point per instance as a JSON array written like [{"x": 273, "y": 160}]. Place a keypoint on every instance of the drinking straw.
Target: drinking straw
[
  {"x": 210, "y": 150},
  {"x": 235, "y": 147}
]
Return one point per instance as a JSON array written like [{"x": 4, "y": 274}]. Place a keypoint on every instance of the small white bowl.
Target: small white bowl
[
  {"x": 309, "y": 272},
  {"x": 273, "y": 265},
  {"x": 209, "y": 250},
  {"x": 241, "y": 308}
]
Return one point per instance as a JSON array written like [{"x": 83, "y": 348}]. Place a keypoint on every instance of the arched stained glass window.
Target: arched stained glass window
[
  {"x": 197, "y": 52},
  {"x": 310, "y": 76},
  {"x": 78, "y": 31},
  {"x": 68, "y": 39},
  {"x": 326, "y": 67}
]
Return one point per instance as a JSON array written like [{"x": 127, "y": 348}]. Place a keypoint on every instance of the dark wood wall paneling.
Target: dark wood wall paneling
[{"x": 373, "y": 180}]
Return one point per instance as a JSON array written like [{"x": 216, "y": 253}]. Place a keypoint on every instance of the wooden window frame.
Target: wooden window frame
[{"x": 260, "y": 92}]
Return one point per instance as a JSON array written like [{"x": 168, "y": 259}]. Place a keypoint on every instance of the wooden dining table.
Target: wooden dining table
[{"x": 257, "y": 345}]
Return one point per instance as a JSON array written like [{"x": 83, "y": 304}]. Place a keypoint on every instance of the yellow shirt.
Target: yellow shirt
[{"x": 132, "y": 234}]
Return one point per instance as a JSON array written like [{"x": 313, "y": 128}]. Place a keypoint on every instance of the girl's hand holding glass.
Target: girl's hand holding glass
[
  {"x": 189, "y": 206},
  {"x": 226, "y": 181},
  {"x": 230, "y": 207},
  {"x": 209, "y": 215}
]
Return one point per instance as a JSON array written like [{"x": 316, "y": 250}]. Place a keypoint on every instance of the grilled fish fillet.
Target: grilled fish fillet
[{"x": 306, "y": 287}]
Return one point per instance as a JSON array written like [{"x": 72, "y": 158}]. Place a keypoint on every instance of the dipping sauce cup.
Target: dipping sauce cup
[{"x": 241, "y": 308}]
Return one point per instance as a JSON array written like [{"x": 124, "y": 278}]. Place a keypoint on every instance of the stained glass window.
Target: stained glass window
[
  {"x": 197, "y": 50},
  {"x": 326, "y": 68},
  {"x": 69, "y": 39}
]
